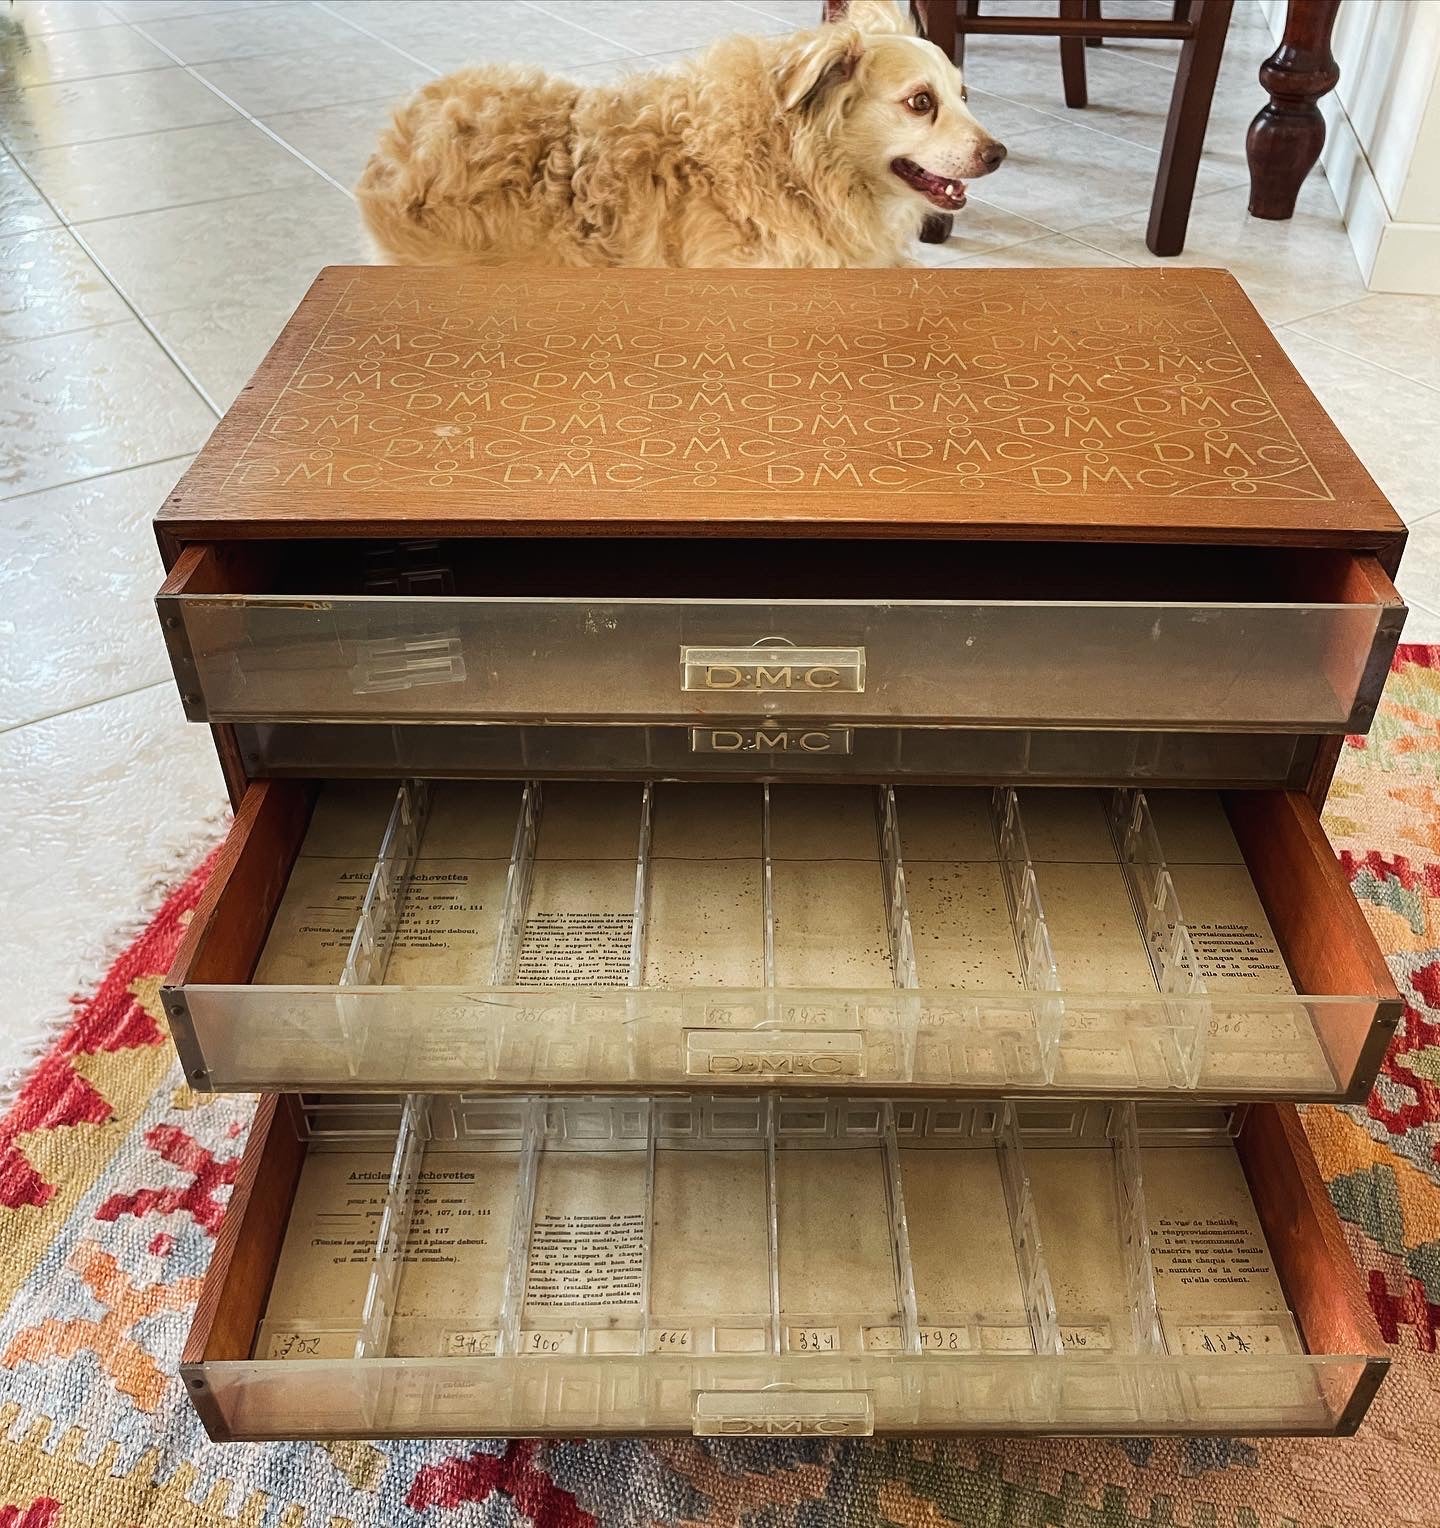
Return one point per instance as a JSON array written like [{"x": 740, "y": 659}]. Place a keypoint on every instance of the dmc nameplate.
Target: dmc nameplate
[
  {"x": 799, "y": 740},
  {"x": 792, "y": 1414},
  {"x": 773, "y": 670},
  {"x": 774, "y": 1053}
]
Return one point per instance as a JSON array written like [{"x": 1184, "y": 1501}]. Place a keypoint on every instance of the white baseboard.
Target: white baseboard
[{"x": 1393, "y": 257}]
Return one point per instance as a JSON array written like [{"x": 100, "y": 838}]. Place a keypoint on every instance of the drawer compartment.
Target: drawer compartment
[
  {"x": 441, "y": 936},
  {"x": 451, "y": 1265},
  {"x": 1193, "y": 639}
]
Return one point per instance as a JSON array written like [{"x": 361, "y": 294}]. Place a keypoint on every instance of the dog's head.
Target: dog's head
[{"x": 890, "y": 103}]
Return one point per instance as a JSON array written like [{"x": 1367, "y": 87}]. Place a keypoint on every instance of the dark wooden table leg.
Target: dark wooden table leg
[
  {"x": 1072, "y": 57},
  {"x": 1094, "y": 13},
  {"x": 1285, "y": 140},
  {"x": 1185, "y": 129}
]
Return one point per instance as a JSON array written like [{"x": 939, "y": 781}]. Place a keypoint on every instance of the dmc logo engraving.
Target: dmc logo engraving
[
  {"x": 770, "y": 740},
  {"x": 763, "y": 676},
  {"x": 793, "y": 1427},
  {"x": 793, "y": 1414},
  {"x": 781, "y": 1064},
  {"x": 779, "y": 669},
  {"x": 775, "y": 1053}
]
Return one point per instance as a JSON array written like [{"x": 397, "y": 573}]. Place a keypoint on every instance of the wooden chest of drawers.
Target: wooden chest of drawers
[{"x": 715, "y": 753}]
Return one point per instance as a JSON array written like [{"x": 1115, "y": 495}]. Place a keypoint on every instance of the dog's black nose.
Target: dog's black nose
[{"x": 993, "y": 157}]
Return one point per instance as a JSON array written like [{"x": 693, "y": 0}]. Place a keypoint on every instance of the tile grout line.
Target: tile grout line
[
  {"x": 235, "y": 106},
  {"x": 182, "y": 127},
  {"x": 89, "y": 79},
  {"x": 201, "y": 201},
  {"x": 436, "y": 73},
  {"x": 535, "y": 5},
  {"x": 121, "y": 293},
  {"x": 71, "y": 31},
  {"x": 59, "y": 334},
  {"x": 94, "y": 477},
  {"x": 1068, "y": 232},
  {"x": 1071, "y": 121},
  {"x": 149, "y": 327},
  {"x": 85, "y": 705},
  {"x": 759, "y": 10},
  {"x": 1351, "y": 355},
  {"x": 384, "y": 42}
]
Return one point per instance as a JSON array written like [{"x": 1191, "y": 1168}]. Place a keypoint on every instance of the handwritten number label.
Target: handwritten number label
[
  {"x": 469, "y": 1344},
  {"x": 671, "y": 1339},
  {"x": 814, "y": 1339},
  {"x": 1217, "y": 1339},
  {"x": 295, "y": 1345},
  {"x": 944, "y": 1339},
  {"x": 1085, "y": 1339},
  {"x": 547, "y": 1341}
]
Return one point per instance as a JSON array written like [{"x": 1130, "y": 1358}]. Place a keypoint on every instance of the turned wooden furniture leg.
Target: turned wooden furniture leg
[
  {"x": 1072, "y": 56},
  {"x": 1180, "y": 11},
  {"x": 1285, "y": 140},
  {"x": 1185, "y": 129}
]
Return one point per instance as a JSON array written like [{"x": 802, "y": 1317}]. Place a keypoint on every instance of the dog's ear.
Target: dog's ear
[
  {"x": 827, "y": 57},
  {"x": 880, "y": 17}
]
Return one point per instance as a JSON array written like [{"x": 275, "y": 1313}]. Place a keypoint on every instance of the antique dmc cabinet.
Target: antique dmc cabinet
[{"x": 776, "y": 884}]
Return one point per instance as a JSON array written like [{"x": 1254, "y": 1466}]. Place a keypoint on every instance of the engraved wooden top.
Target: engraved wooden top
[{"x": 1130, "y": 404}]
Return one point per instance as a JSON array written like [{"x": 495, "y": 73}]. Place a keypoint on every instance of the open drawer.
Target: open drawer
[
  {"x": 503, "y": 935},
  {"x": 952, "y": 635},
  {"x": 763, "y": 1264}
]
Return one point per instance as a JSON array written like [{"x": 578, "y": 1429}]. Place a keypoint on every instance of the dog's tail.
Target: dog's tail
[
  {"x": 461, "y": 175},
  {"x": 410, "y": 219}
]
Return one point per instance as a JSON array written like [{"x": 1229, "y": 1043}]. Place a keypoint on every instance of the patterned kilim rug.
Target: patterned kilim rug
[{"x": 113, "y": 1179}]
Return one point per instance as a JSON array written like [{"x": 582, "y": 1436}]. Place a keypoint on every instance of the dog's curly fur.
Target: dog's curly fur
[{"x": 761, "y": 152}]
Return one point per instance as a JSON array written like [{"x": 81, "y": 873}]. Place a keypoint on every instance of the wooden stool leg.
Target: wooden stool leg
[
  {"x": 957, "y": 52},
  {"x": 936, "y": 228},
  {"x": 1285, "y": 140},
  {"x": 1185, "y": 128},
  {"x": 1093, "y": 13},
  {"x": 1072, "y": 57},
  {"x": 1180, "y": 11},
  {"x": 936, "y": 20}
]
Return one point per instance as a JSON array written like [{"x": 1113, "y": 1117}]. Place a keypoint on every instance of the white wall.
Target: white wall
[{"x": 1382, "y": 147}]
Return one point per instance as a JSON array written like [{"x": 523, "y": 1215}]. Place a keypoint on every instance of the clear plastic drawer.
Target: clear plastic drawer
[
  {"x": 516, "y": 935},
  {"x": 746, "y": 1264},
  {"x": 957, "y": 635}
]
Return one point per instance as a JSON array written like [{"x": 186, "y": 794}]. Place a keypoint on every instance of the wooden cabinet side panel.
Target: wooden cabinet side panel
[
  {"x": 247, "y": 1247},
  {"x": 1327, "y": 942},
  {"x": 233, "y": 915},
  {"x": 1305, "y": 1236}
]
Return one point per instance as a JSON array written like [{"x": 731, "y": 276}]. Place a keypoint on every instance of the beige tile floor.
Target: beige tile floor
[{"x": 173, "y": 171}]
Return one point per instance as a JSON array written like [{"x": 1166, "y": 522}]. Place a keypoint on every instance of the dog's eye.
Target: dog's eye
[{"x": 922, "y": 103}]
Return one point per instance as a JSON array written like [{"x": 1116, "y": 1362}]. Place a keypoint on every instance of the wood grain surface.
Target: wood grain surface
[
  {"x": 247, "y": 1247},
  {"x": 227, "y": 931},
  {"x": 1307, "y": 1244},
  {"x": 1327, "y": 942},
  {"x": 1139, "y": 405}
]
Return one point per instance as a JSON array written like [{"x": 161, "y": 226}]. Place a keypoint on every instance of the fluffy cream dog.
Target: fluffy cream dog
[{"x": 821, "y": 148}]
